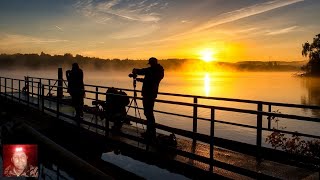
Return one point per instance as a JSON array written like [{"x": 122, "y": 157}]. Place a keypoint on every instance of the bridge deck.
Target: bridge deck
[{"x": 246, "y": 162}]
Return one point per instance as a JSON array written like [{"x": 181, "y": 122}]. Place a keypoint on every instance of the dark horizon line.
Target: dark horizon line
[{"x": 182, "y": 59}]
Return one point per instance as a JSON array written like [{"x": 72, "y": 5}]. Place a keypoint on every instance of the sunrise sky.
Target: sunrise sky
[{"x": 228, "y": 30}]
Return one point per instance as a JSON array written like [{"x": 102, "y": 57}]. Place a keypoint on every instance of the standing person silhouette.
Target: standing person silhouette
[
  {"x": 152, "y": 77},
  {"x": 76, "y": 88}
]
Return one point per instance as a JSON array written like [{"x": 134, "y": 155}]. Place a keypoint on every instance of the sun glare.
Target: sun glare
[{"x": 207, "y": 55}]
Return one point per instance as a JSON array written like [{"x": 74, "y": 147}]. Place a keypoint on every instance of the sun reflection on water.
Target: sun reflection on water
[{"x": 207, "y": 84}]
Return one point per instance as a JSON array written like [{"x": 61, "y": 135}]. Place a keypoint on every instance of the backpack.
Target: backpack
[
  {"x": 166, "y": 140},
  {"x": 124, "y": 98},
  {"x": 116, "y": 99}
]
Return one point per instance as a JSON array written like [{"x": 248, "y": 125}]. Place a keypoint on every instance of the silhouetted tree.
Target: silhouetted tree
[{"x": 312, "y": 50}]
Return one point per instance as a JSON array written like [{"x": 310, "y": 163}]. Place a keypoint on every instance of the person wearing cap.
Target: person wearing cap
[
  {"x": 19, "y": 166},
  {"x": 76, "y": 88},
  {"x": 152, "y": 77}
]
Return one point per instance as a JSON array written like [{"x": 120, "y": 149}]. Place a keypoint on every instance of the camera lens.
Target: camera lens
[{"x": 133, "y": 76}]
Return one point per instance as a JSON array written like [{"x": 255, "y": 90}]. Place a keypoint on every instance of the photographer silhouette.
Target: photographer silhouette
[
  {"x": 152, "y": 77},
  {"x": 76, "y": 88}
]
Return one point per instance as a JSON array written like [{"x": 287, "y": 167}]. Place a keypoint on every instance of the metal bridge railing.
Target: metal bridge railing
[{"x": 42, "y": 87}]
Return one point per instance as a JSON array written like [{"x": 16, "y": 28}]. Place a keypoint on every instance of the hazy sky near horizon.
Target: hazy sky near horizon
[{"x": 234, "y": 30}]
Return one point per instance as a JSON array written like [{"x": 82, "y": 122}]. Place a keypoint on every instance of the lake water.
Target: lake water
[{"x": 263, "y": 86}]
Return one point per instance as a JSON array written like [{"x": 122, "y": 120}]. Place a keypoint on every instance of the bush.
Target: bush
[{"x": 293, "y": 144}]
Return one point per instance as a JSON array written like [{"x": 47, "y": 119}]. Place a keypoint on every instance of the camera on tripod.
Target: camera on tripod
[{"x": 133, "y": 75}]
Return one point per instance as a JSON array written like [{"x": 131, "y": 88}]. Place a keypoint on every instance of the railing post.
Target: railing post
[
  {"x": 5, "y": 86},
  {"x": 97, "y": 91},
  {"x": 60, "y": 84},
  {"x": 25, "y": 81},
  {"x": 32, "y": 86},
  {"x": 58, "y": 101},
  {"x": 49, "y": 87},
  {"x": 0, "y": 85},
  {"x": 106, "y": 124},
  {"x": 12, "y": 89},
  {"x": 259, "y": 130},
  {"x": 19, "y": 87},
  {"x": 212, "y": 139},
  {"x": 195, "y": 116},
  {"x": 42, "y": 96},
  {"x": 39, "y": 91},
  {"x": 97, "y": 97},
  {"x": 269, "y": 117},
  {"x": 28, "y": 90}
]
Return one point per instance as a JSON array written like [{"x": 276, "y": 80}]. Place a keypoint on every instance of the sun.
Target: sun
[{"x": 207, "y": 55}]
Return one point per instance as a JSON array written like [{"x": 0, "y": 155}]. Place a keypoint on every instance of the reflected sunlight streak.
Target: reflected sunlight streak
[{"x": 207, "y": 84}]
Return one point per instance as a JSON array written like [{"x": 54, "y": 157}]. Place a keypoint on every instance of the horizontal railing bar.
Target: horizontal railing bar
[
  {"x": 230, "y": 109},
  {"x": 31, "y": 93},
  {"x": 206, "y": 119},
  {"x": 295, "y": 117},
  {"x": 90, "y": 98},
  {"x": 50, "y": 110},
  {"x": 175, "y": 114},
  {"x": 11, "y": 78},
  {"x": 204, "y": 97},
  {"x": 44, "y": 78},
  {"x": 213, "y": 98},
  {"x": 55, "y": 86},
  {"x": 224, "y": 99},
  {"x": 67, "y": 116},
  {"x": 293, "y": 133},
  {"x": 244, "y": 101},
  {"x": 241, "y": 110},
  {"x": 17, "y": 98},
  {"x": 107, "y": 87}
]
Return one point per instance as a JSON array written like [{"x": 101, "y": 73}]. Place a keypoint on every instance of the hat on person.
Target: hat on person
[
  {"x": 153, "y": 60},
  {"x": 75, "y": 65}
]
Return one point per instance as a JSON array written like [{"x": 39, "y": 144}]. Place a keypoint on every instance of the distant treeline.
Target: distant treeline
[{"x": 47, "y": 61}]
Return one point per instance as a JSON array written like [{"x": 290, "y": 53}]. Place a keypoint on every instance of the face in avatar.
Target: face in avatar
[{"x": 19, "y": 160}]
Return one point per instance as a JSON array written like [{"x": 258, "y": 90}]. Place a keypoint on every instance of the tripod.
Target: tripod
[{"x": 135, "y": 104}]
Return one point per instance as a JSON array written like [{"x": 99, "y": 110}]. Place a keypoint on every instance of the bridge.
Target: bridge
[{"x": 197, "y": 154}]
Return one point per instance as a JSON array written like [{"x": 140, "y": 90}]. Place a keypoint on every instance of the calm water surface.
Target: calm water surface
[{"x": 264, "y": 86}]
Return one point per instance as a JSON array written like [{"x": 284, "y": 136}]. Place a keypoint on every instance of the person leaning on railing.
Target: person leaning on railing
[{"x": 153, "y": 75}]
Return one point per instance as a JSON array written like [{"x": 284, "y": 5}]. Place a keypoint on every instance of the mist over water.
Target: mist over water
[{"x": 263, "y": 86}]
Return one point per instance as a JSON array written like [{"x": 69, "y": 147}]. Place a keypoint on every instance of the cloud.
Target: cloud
[
  {"x": 185, "y": 21},
  {"x": 282, "y": 31},
  {"x": 142, "y": 10},
  {"x": 17, "y": 39},
  {"x": 245, "y": 12},
  {"x": 247, "y": 30},
  {"x": 233, "y": 16},
  {"x": 134, "y": 32}
]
